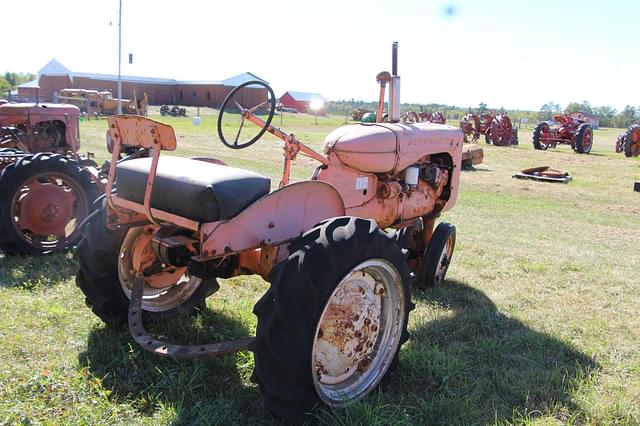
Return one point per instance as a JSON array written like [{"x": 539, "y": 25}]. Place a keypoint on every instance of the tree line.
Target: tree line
[{"x": 609, "y": 116}]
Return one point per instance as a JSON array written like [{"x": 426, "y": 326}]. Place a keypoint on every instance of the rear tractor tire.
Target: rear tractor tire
[
  {"x": 332, "y": 322},
  {"x": 437, "y": 257},
  {"x": 584, "y": 139},
  {"x": 109, "y": 262},
  {"x": 43, "y": 199},
  {"x": 631, "y": 141}
]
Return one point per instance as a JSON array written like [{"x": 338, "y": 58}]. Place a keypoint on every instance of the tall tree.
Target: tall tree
[
  {"x": 578, "y": 107},
  {"x": 548, "y": 110}
]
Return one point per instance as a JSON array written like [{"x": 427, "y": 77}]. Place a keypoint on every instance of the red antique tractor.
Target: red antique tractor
[
  {"x": 46, "y": 187},
  {"x": 496, "y": 128},
  {"x": 340, "y": 249},
  {"x": 571, "y": 131},
  {"x": 629, "y": 141}
]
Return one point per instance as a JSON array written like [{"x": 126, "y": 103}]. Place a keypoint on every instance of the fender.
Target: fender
[{"x": 276, "y": 218}]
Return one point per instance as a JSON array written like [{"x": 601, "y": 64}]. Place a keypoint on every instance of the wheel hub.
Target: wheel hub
[
  {"x": 166, "y": 287},
  {"x": 144, "y": 261},
  {"x": 358, "y": 332},
  {"x": 349, "y": 329},
  {"x": 45, "y": 208}
]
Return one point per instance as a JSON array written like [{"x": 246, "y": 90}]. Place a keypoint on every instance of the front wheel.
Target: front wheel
[
  {"x": 437, "y": 256},
  {"x": 332, "y": 323}
]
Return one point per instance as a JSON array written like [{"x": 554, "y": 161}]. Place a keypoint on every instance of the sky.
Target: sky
[{"x": 512, "y": 54}]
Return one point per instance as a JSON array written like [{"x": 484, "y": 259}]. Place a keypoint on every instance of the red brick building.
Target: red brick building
[
  {"x": 54, "y": 77},
  {"x": 303, "y": 101}
]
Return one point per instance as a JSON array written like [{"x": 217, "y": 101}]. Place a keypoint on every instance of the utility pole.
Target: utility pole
[{"x": 120, "y": 59}]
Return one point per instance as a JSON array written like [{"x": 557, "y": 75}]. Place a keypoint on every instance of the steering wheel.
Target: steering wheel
[{"x": 232, "y": 108}]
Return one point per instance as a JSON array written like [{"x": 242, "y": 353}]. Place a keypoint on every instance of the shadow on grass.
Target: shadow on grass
[
  {"x": 212, "y": 390},
  {"x": 480, "y": 366},
  {"x": 474, "y": 169},
  {"x": 36, "y": 272}
]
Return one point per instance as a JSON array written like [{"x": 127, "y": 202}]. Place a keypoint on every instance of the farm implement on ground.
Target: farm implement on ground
[
  {"x": 570, "y": 131},
  {"x": 340, "y": 250},
  {"x": 496, "y": 128}
]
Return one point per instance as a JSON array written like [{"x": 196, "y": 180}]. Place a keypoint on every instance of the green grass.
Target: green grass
[{"x": 538, "y": 322}]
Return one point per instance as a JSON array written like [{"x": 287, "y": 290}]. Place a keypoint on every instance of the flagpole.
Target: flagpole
[{"x": 120, "y": 59}]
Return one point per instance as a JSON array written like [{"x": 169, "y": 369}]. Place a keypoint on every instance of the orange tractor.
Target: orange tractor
[
  {"x": 496, "y": 128},
  {"x": 46, "y": 186},
  {"x": 571, "y": 130},
  {"x": 341, "y": 249},
  {"x": 629, "y": 141}
]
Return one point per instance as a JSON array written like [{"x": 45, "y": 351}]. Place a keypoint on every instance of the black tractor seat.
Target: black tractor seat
[{"x": 197, "y": 190}]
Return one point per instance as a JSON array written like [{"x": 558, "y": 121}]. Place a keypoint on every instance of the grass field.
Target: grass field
[{"x": 538, "y": 321}]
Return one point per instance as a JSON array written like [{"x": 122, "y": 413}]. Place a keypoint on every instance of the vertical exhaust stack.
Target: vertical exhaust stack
[{"x": 394, "y": 88}]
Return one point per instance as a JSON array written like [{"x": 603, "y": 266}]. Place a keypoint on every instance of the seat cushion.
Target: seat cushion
[{"x": 194, "y": 189}]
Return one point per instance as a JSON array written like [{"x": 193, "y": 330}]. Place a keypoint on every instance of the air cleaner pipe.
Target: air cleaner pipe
[{"x": 394, "y": 87}]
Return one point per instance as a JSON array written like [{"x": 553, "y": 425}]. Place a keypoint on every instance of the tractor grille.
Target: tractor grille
[{"x": 78, "y": 129}]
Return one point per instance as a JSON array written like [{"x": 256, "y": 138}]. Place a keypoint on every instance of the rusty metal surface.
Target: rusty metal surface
[
  {"x": 134, "y": 130},
  {"x": 358, "y": 332},
  {"x": 349, "y": 329},
  {"x": 162, "y": 348}
]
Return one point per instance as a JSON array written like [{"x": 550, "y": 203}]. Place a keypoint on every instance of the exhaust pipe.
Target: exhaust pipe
[{"x": 394, "y": 87}]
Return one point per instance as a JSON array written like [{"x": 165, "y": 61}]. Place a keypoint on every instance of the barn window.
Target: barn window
[
  {"x": 181, "y": 94},
  {"x": 194, "y": 94},
  {"x": 208, "y": 96}
]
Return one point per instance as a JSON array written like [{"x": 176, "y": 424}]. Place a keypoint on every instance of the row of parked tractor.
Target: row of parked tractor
[{"x": 566, "y": 129}]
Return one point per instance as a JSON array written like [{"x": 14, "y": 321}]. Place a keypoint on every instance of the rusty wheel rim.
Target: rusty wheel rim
[
  {"x": 443, "y": 261},
  {"x": 587, "y": 140},
  {"x": 47, "y": 210},
  {"x": 167, "y": 287},
  {"x": 358, "y": 333}
]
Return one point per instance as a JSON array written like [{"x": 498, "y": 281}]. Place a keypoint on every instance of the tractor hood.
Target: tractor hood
[
  {"x": 23, "y": 110},
  {"x": 392, "y": 147}
]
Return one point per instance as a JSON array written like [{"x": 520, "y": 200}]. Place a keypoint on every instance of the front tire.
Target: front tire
[
  {"x": 332, "y": 322},
  {"x": 106, "y": 258},
  {"x": 437, "y": 256}
]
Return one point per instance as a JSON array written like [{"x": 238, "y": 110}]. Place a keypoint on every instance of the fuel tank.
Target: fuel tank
[{"x": 392, "y": 147}]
